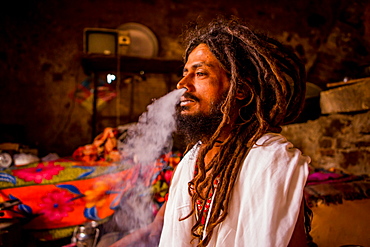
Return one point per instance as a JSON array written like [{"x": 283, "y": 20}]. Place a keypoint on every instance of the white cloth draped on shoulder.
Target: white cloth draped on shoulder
[{"x": 265, "y": 202}]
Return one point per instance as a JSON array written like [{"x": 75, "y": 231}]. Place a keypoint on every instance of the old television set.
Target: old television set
[{"x": 100, "y": 41}]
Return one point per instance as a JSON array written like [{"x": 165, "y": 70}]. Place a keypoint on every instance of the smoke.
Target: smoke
[
  {"x": 145, "y": 142},
  {"x": 152, "y": 135}
]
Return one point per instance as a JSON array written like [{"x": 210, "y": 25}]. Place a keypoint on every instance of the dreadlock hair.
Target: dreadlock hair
[{"x": 273, "y": 79}]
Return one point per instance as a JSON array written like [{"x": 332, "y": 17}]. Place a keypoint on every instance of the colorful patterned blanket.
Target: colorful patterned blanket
[{"x": 58, "y": 195}]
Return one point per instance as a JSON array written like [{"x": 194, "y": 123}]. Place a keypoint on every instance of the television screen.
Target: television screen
[{"x": 100, "y": 41}]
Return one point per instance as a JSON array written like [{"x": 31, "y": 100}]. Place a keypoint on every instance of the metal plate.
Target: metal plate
[
  {"x": 5, "y": 160},
  {"x": 142, "y": 41}
]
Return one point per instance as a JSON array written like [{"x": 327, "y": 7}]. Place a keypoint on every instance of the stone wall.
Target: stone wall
[{"x": 340, "y": 138}]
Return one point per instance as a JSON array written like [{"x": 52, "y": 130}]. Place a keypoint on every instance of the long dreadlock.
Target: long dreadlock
[{"x": 272, "y": 77}]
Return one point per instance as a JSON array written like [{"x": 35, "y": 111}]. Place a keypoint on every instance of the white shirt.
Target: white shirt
[{"x": 265, "y": 202}]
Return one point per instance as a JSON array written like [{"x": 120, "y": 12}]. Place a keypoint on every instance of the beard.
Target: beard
[{"x": 199, "y": 126}]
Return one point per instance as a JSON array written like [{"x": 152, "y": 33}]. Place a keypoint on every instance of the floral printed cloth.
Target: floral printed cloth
[{"x": 58, "y": 195}]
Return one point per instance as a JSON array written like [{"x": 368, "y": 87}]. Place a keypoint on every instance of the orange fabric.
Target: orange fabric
[
  {"x": 75, "y": 216},
  {"x": 56, "y": 195}
]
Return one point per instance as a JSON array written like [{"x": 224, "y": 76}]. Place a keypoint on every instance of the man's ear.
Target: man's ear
[{"x": 240, "y": 95}]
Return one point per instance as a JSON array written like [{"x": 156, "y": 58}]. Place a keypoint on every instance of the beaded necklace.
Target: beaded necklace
[{"x": 203, "y": 213}]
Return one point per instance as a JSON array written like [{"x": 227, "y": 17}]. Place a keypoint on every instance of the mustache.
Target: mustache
[{"x": 190, "y": 96}]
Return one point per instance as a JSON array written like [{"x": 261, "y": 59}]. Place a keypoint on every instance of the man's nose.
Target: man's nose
[
  {"x": 185, "y": 82},
  {"x": 180, "y": 84}
]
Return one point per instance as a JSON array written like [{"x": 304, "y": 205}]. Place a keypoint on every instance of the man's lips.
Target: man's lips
[{"x": 186, "y": 101}]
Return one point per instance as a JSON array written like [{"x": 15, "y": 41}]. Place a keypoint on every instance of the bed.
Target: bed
[{"x": 58, "y": 195}]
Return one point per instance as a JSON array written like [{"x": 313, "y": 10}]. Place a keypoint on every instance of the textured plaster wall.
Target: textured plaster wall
[{"x": 41, "y": 46}]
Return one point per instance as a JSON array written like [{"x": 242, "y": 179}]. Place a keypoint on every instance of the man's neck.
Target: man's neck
[{"x": 216, "y": 147}]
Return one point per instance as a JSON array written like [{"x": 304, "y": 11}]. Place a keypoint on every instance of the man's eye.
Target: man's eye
[{"x": 200, "y": 74}]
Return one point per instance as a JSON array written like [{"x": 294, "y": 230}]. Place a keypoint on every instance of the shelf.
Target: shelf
[
  {"x": 92, "y": 64},
  {"x": 97, "y": 63}
]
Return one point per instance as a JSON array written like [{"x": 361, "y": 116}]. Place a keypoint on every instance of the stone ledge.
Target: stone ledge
[{"x": 351, "y": 98}]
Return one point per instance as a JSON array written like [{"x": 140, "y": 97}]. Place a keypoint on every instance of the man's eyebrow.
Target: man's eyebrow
[{"x": 197, "y": 65}]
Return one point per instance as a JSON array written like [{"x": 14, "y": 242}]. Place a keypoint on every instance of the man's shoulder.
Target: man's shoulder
[
  {"x": 271, "y": 140},
  {"x": 272, "y": 147}
]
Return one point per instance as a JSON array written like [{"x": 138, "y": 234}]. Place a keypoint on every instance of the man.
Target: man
[{"x": 241, "y": 183}]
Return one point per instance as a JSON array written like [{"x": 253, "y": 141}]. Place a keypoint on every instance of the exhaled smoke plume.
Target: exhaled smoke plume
[
  {"x": 152, "y": 135},
  {"x": 146, "y": 141}
]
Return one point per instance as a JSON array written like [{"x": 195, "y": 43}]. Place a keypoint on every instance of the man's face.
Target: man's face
[
  {"x": 199, "y": 112},
  {"x": 205, "y": 80}
]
